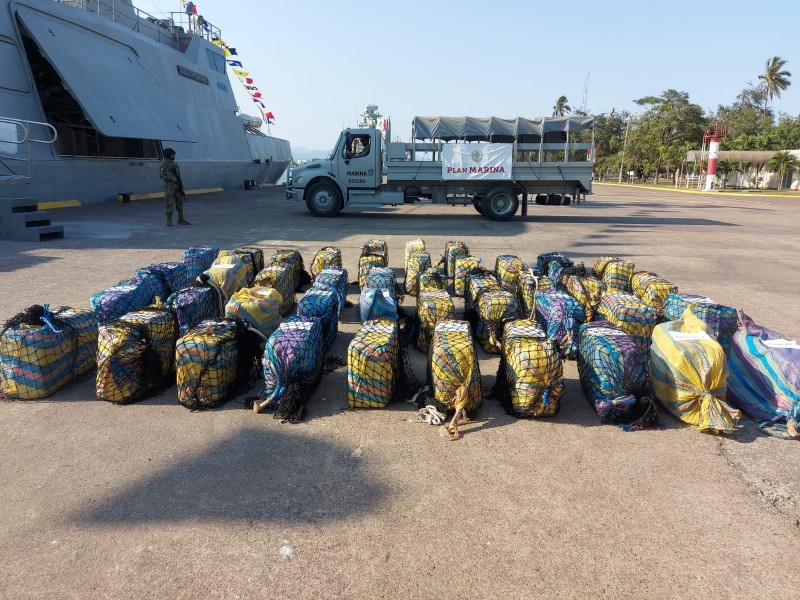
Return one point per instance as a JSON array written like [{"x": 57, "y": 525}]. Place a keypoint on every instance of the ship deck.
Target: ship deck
[{"x": 152, "y": 500}]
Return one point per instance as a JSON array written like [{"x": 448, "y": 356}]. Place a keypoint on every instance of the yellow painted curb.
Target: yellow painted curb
[
  {"x": 58, "y": 204},
  {"x": 155, "y": 195},
  {"x": 685, "y": 191}
]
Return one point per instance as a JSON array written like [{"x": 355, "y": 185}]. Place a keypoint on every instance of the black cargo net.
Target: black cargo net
[
  {"x": 45, "y": 350},
  {"x": 229, "y": 353},
  {"x": 136, "y": 360},
  {"x": 204, "y": 280}
]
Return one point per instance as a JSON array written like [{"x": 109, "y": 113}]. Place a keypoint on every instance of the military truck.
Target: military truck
[{"x": 487, "y": 162}]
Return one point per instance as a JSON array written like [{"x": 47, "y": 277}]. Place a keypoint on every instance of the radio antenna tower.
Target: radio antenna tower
[{"x": 585, "y": 92}]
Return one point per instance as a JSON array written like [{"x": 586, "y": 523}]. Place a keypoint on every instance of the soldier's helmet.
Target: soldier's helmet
[{"x": 169, "y": 152}]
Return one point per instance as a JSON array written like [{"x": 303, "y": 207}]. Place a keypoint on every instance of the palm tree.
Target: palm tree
[
  {"x": 725, "y": 167},
  {"x": 774, "y": 80},
  {"x": 780, "y": 163},
  {"x": 562, "y": 108}
]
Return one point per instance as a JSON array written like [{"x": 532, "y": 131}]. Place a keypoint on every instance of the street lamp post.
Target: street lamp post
[{"x": 624, "y": 143}]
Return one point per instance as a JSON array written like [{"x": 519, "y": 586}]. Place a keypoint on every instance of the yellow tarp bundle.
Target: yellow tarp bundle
[
  {"x": 507, "y": 269},
  {"x": 494, "y": 307},
  {"x": 136, "y": 354},
  {"x": 366, "y": 263},
  {"x": 689, "y": 372},
  {"x": 652, "y": 289},
  {"x": 615, "y": 272},
  {"x": 414, "y": 247},
  {"x": 586, "y": 290},
  {"x": 453, "y": 364},
  {"x": 432, "y": 308},
  {"x": 417, "y": 262},
  {"x": 328, "y": 256},
  {"x": 534, "y": 371},
  {"x": 372, "y": 364},
  {"x": 229, "y": 272},
  {"x": 279, "y": 277},
  {"x": 463, "y": 266},
  {"x": 258, "y": 306}
]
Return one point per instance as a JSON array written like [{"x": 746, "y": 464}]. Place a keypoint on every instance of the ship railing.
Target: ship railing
[
  {"x": 174, "y": 31},
  {"x": 16, "y": 137}
]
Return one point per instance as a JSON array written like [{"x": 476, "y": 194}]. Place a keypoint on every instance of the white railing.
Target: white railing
[
  {"x": 164, "y": 30},
  {"x": 21, "y": 138}
]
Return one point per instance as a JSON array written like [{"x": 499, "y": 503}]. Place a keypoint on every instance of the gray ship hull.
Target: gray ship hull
[{"x": 118, "y": 89}]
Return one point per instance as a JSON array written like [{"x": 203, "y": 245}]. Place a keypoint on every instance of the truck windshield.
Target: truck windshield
[{"x": 332, "y": 155}]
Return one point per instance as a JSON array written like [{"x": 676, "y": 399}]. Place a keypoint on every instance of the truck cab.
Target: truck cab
[{"x": 354, "y": 165}]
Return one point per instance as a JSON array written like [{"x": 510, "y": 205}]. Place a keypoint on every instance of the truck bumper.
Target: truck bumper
[{"x": 295, "y": 194}]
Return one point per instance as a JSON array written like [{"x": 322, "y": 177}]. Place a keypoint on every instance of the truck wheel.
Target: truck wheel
[
  {"x": 477, "y": 205},
  {"x": 323, "y": 200},
  {"x": 500, "y": 204}
]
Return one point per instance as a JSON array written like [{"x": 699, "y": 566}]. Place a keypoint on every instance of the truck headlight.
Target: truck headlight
[{"x": 300, "y": 180}]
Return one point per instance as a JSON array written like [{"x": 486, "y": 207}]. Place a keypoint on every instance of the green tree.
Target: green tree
[
  {"x": 786, "y": 133},
  {"x": 744, "y": 116},
  {"x": 561, "y": 107},
  {"x": 669, "y": 122},
  {"x": 774, "y": 80},
  {"x": 780, "y": 163}
]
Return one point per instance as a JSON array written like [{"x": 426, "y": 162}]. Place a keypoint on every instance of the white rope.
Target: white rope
[
  {"x": 421, "y": 391},
  {"x": 429, "y": 415}
]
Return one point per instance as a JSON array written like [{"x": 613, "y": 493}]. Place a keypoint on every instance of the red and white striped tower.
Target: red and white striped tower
[{"x": 713, "y": 138}]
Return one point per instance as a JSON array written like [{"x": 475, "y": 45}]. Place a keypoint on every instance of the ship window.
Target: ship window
[
  {"x": 216, "y": 60},
  {"x": 12, "y": 75}
]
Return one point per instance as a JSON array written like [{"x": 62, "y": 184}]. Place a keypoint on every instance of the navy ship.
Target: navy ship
[{"x": 92, "y": 91}]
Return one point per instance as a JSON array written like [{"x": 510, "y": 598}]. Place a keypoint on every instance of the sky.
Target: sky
[{"x": 318, "y": 64}]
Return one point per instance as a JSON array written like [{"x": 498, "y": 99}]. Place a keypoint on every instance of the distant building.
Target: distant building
[{"x": 753, "y": 172}]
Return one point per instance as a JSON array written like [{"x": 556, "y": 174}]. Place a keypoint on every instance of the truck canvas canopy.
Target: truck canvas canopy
[{"x": 495, "y": 129}]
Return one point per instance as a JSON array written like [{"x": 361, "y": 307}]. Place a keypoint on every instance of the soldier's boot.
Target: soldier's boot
[
  {"x": 182, "y": 221},
  {"x": 169, "y": 220}
]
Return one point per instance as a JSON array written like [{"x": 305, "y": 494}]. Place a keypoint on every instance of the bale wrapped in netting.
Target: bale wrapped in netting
[
  {"x": 615, "y": 272},
  {"x": 630, "y": 314},
  {"x": 229, "y": 273},
  {"x": 42, "y": 351},
  {"x": 334, "y": 279},
  {"x": 136, "y": 355},
  {"x": 414, "y": 247},
  {"x": 198, "y": 259},
  {"x": 122, "y": 298},
  {"x": 431, "y": 280},
  {"x": 170, "y": 277},
  {"x": 259, "y": 307},
  {"x": 722, "y": 320},
  {"x": 379, "y": 247},
  {"x": 216, "y": 361},
  {"x": 293, "y": 366},
  {"x": 432, "y": 308},
  {"x": 323, "y": 304},
  {"x": 464, "y": 265},
  {"x": 652, "y": 290},
  {"x": 543, "y": 262},
  {"x": 279, "y": 277},
  {"x": 455, "y": 376},
  {"x": 453, "y": 250},
  {"x": 507, "y": 269},
  {"x": 587, "y": 290},
  {"x": 256, "y": 257},
  {"x": 688, "y": 375},
  {"x": 195, "y": 304},
  {"x": 378, "y": 372},
  {"x": 613, "y": 374},
  {"x": 372, "y": 364},
  {"x": 764, "y": 378},
  {"x": 493, "y": 309},
  {"x": 478, "y": 281},
  {"x": 294, "y": 260},
  {"x": 326, "y": 257},
  {"x": 529, "y": 285},
  {"x": 561, "y": 317},
  {"x": 417, "y": 262},
  {"x": 530, "y": 378},
  {"x": 379, "y": 296},
  {"x": 367, "y": 262}
]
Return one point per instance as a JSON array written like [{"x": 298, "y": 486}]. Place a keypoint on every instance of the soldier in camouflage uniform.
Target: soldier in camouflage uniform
[{"x": 170, "y": 173}]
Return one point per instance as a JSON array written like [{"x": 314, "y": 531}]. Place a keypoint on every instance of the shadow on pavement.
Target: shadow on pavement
[{"x": 256, "y": 475}]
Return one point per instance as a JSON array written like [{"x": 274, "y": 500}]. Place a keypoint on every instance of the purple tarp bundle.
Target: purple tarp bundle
[{"x": 764, "y": 378}]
